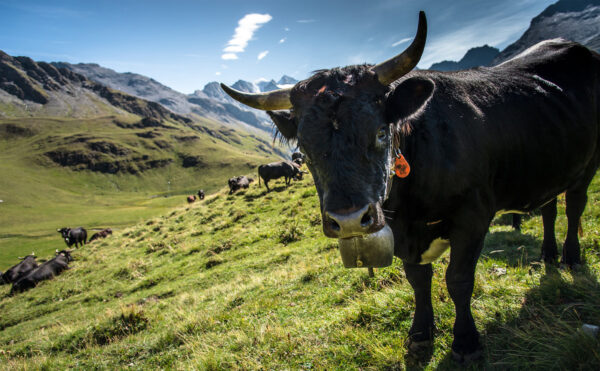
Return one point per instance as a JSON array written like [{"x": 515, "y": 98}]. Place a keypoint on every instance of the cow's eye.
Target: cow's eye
[{"x": 382, "y": 134}]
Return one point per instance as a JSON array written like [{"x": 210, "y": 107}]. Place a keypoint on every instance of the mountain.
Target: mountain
[
  {"x": 576, "y": 20},
  {"x": 265, "y": 86},
  {"x": 475, "y": 57},
  {"x": 245, "y": 86},
  {"x": 211, "y": 102},
  {"x": 287, "y": 80}
]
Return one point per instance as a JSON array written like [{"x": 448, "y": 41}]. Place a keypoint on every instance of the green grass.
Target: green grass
[
  {"x": 40, "y": 196},
  {"x": 248, "y": 281}
]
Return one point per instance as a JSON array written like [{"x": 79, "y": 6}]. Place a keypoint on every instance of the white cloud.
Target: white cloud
[
  {"x": 287, "y": 29},
  {"x": 244, "y": 32},
  {"x": 401, "y": 42},
  {"x": 262, "y": 55},
  {"x": 282, "y": 40},
  {"x": 218, "y": 73},
  {"x": 306, "y": 20},
  {"x": 229, "y": 56}
]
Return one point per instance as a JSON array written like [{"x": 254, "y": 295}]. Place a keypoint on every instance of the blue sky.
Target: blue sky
[{"x": 185, "y": 44}]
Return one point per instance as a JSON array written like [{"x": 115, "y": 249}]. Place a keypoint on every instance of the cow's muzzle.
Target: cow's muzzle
[
  {"x": 353, "y": 222},
  {"x": 364, "y": 238}
]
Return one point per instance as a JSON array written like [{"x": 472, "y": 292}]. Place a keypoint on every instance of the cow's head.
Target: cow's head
[
  {"x": 64, "y": 232},
  {"x": 66, "y": 254},
  {"x": 340, "y": 121}
]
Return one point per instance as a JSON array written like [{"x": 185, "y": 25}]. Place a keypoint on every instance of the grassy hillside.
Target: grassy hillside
[
  {"x": 247, "y": 281},
  {"x": 108, "y": 171}
]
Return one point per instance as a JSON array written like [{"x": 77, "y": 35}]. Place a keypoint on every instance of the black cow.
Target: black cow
[
  {"x": 509, "y": 137},
  {"x": 19, "y": 270},
  {"x": 73, "y": 236},
  {"x": 201, "y": 194},
  {"x": 239, "y": 182},
  {"x": 47, "y": 270},
  {"x": 275, "y": 170},
  {"x": 101, "y": 234}
]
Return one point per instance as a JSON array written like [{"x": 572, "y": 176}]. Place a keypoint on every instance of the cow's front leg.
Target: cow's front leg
[
  {"x": 421, "y": 331},
  {"x": 460, "y": 278}
]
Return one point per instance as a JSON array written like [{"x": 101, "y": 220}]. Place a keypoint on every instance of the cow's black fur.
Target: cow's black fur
[
  {"x": 19, "y": 270},
  {"x": 239, "y": 182},
  {"x": 201, "y": 194},
  {"x": 101, "y": 234},
  {"x": 510, "y": 137},
  {"x": 74, "y": 236},
  {"x": 47, "y": 270},
  {"x": 276, "y": 170}
]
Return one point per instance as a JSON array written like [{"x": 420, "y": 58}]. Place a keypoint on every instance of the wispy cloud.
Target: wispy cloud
[
  {"x": 261, "y": 55},
  {"x": 287, "y": 29},
  {"x": 494, "y": 30},
  {"x": 229, "y": 56},
  {"x": 282, "y": 40},
  {"x": 244, "y": 32},
  {"x": 400, "y": 42},
  {"x": 306, "y": 20},
  {"x": 218, "y": 73}
]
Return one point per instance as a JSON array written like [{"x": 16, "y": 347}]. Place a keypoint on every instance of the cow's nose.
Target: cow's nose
[{"x": 349, "y": 223}]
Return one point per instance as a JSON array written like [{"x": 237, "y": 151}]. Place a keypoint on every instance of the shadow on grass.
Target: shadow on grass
[
  {"x": 512, "y": 248},
  {"x": 546, "y": 332}
]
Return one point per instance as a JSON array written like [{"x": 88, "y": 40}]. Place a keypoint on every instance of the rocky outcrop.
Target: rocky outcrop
[{"x": 576, "y": 20}]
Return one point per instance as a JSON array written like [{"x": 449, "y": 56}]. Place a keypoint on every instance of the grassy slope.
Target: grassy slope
[
  {"x": 40, "y": 196},
  {"x": 248, "y": 281}
]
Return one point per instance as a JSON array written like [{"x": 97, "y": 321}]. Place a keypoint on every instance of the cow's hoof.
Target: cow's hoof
[
  {"x": 467, "y": 358},
  {"x": 414, "y": 346}
]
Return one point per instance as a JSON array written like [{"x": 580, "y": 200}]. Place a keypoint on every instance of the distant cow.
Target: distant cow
[
  {"x": 201, "y": 194},
  {"x": 47, "y": 270},
  {"x": 101, "y": 234},
  {"x": 73, "y": 236},
  {"x": 275, "y": 170},
  {"x": 298, "y": 157},
  {"x": 191, "y": 199},
  {"x": 238, "y": 182},
  {"x": 19, "y": 270}
]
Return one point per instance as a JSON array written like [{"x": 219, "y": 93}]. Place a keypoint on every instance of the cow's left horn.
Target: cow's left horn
[
  {"x": 398, "y": 66},
  {"x": 270, "y": 101}
]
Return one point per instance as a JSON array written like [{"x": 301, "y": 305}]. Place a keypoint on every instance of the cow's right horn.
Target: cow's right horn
[
  {"x": 270, "y": 101},
  {"x": 398, "y": 66}
]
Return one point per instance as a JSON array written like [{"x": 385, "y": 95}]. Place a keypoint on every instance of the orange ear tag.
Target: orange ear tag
[{"x": 401, "y": 166}]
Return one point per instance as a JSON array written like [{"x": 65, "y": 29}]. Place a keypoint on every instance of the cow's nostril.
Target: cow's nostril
[{"x": 366, "y": 220}]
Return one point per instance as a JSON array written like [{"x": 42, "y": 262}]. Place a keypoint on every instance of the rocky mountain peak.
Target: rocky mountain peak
[{"x": 475, "y": 57}]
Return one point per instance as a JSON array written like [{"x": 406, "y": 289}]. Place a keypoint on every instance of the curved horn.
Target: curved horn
[
  {"x": 270, "y": 101},
  {"x": 398, "y": 66}
]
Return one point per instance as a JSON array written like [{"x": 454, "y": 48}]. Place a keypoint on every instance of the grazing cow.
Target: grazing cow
[
  {"x": 19, "y": 270},
  {"x": 47, "y": 270},
  {"x": 191, "y": 199},
  {"x": 239, "y": 182},
  {"x": 298, "y": 158},
  {"x": 101, "y": 234},
  {"x": 73, "y": 236},
  {"x": 201, "y": 194},
  {"x": 461, "y": 146},
  {"x": 275, "y": 170}
]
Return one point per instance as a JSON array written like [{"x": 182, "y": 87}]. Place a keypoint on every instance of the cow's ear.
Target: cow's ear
[
  {"x": 285, "y": 122},
  {"x": 408, "y": 98}
]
